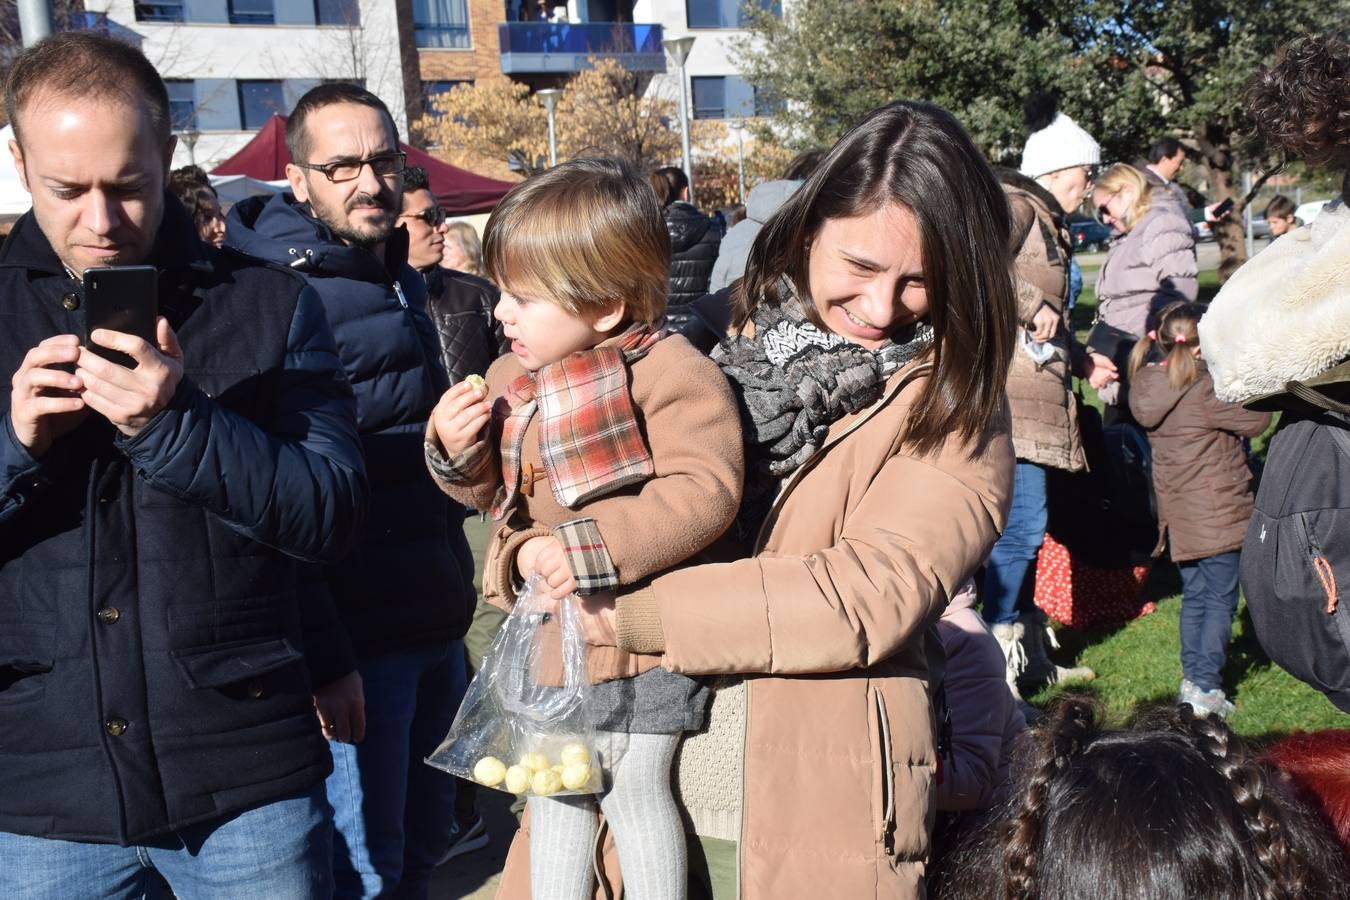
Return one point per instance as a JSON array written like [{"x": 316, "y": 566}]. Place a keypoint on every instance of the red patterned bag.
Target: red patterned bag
[{"x": 1079, "y": 595}]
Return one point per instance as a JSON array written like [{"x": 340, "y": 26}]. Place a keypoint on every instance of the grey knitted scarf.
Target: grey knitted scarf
[{"x": 793, "y": 382}]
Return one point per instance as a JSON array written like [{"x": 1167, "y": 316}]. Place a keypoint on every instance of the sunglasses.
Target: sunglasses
[
  {"x": 384, "y": 165},
  {"x": 1102, "y": 209},
  {"x": 433, "y": 216}
]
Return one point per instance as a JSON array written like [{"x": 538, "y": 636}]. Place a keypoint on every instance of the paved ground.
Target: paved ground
[{"x": 474, "y": 875}]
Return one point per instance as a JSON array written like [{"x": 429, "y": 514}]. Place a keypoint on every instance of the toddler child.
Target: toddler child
[
  {"x": 1204, "y": 492},
  {"x": 607, "y": 450}
]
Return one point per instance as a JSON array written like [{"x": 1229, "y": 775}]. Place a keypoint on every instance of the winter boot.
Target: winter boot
[
  {"x": 1040, "y": 669},
  {"x": 1205, "y": 703}
]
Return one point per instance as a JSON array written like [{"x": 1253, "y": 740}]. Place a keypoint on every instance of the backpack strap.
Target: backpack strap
[{"x": 1313, "y": 396}]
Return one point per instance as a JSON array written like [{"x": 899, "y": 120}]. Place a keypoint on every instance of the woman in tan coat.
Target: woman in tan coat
[{"x": 870, "y": 358}]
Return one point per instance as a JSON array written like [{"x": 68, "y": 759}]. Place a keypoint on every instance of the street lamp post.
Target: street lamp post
[
  {"x": 679, "y": 48},
  {"x": 739, "y": 128},
  {"x": 549, "y": 97}
]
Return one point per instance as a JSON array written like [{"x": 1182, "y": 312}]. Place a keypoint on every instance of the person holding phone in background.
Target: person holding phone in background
[{"x": 156, "y": 707}]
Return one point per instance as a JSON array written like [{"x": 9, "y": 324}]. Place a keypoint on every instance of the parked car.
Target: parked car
[
  {"x": 1260, "y": 227},
  {"x": 1306, "y": 212},
  {"x": 1088, "y": 234},
  {"x": 1202, "y": 231}
]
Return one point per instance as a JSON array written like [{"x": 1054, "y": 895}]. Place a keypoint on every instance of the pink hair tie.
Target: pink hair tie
[
  {"x": 1180, "y": 339},
  {"x": 1153, "y": 335}
]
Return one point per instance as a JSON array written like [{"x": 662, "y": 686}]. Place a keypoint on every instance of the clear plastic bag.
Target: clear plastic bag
[{"x": 513, "y": 733}]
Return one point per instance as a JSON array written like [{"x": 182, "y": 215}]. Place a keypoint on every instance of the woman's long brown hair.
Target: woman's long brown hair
[{"x": 920, "y": 157}]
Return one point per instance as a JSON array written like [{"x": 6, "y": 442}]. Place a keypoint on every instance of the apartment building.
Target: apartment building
[{"x": 231, "y": 64}]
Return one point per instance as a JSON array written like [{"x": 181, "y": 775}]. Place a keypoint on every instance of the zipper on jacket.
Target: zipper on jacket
[
  {"x": 886, "y": 827},
  {"x": 398, "y": 291}
]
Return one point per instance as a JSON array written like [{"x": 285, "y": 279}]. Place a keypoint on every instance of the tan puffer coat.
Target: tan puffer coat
[
  {"x": 1045, "y": 416},
  {"x": 1200, "y": 469}
]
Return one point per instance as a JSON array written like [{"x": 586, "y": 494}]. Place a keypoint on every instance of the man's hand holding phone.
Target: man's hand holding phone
[
  {"x": 131, "y": 397},
  {"x": 45, "y": 402}
]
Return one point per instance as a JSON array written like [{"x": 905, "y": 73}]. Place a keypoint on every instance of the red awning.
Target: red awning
[{"x": 459, "y": 191}]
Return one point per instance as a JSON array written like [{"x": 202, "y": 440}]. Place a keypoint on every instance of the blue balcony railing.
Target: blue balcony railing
[{"x": 547, "y": 47}]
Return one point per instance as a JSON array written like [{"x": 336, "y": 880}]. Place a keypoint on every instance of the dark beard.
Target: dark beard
[{"x": 342, "y": 229}]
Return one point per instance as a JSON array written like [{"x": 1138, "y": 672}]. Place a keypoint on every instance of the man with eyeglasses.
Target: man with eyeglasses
[
  {"x": 152, "y": 517},
  {"x": 392, "y": 677}
]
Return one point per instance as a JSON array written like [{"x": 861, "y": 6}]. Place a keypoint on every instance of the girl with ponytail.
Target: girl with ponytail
[
  {"x": 1203, "y": 487},
  {"x": 1173, "y": 808}
]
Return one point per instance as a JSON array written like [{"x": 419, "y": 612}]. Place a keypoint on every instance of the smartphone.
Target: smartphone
[
  {"x": 121, "y": 298},
  {"x": 1222, "y": 209}
]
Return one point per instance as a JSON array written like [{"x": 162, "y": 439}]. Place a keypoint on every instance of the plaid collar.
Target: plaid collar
[{"x": 589, "y": 439}]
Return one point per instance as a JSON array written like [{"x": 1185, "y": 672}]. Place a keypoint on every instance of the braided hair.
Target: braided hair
[{"x": 1172, "y": 808}]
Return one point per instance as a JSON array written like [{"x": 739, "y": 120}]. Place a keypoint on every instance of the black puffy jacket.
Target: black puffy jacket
[
  {"x": 409, "y": 581},
  {"x": 460, "y": 306},
  {"x": 150, "y": 667},
  {"x": 694, "y": 243}
]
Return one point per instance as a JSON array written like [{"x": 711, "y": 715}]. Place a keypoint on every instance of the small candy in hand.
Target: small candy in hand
[
  {"x": 477, "y": 383},
  {"x": 576, "y": 776},
  {"x": 517, "y": 779},
  {"x": 489, "y": 771},
  {"x": 575, "y": 753},
  {"x": 546, "y": 782}
]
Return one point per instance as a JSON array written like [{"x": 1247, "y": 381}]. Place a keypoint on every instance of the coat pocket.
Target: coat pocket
[
  {"x": 883, "y": 770},
  {"x": 224, "y": 665},
  {"x": 27, "y": 650}
]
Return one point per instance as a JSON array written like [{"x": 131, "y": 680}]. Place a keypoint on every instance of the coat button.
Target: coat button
[
  {"x": 115, "y": 727},
  {"x": 71, "y": 301},
  {"x": 109, "y": 614}
]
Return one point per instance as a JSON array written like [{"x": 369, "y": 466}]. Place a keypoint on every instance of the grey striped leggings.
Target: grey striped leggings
[{"x": 640, "y": 809}]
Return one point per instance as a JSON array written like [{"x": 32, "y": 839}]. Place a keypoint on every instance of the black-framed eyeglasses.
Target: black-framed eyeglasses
[
  {"x": 383, "y": 165},
  {"x": 433, "y": 216}
]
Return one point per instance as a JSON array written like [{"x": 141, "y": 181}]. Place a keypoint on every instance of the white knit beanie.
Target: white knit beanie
[{"x": 1059, "y": 145}]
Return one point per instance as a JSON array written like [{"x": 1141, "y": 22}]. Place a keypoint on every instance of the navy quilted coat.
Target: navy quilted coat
[
  {"x": 150, "y": 659},
  {"x": 409, "y": 581}
]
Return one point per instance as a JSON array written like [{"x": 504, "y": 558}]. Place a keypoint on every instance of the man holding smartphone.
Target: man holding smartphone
[
  {"x": 405, "y": 593},
  {"x": 156, "y": 709}
]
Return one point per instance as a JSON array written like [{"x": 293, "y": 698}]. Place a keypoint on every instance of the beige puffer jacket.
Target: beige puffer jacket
[{"x": 1044, "y": 413}]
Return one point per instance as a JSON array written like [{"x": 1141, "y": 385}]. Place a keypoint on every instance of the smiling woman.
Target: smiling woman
[{"x": 870, "y": 345}]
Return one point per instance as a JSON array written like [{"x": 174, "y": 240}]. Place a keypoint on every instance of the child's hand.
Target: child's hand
[
  {"x": 460, "y": 417},
  {"x": 545, "y": 557}
]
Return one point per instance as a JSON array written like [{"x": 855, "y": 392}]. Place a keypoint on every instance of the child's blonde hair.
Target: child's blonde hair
[
  {"x": 1125, "y": 175},
  {"x": 1176, "y": 336},
  {"x": 586, "y": 233}
]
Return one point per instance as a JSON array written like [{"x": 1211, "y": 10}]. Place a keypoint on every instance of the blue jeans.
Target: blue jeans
[
  {"x": 281, "y": 850},
  {"x": 1010, "y": 574},
  {"x": 393, "y": 813},
  {"x": 1209, "y": 600}
]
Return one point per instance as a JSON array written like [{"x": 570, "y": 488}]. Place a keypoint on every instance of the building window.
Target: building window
[
  {"x": 182, "y": 104},
  {"x": 710, "y": 97},
  {"x": 251, "y": 12},
  {"x": 338, "y": 12},
  {"x": 441, "y": 24},
  {"x": 727, "y": 13},
  {"x": 433, "y": 89},
  {"x": 164, "y": 11},
  {"x": 259, "y": 101}
]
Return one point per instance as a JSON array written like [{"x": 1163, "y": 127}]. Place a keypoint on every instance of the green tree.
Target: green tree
[{"x": 1127, "y": 71}]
